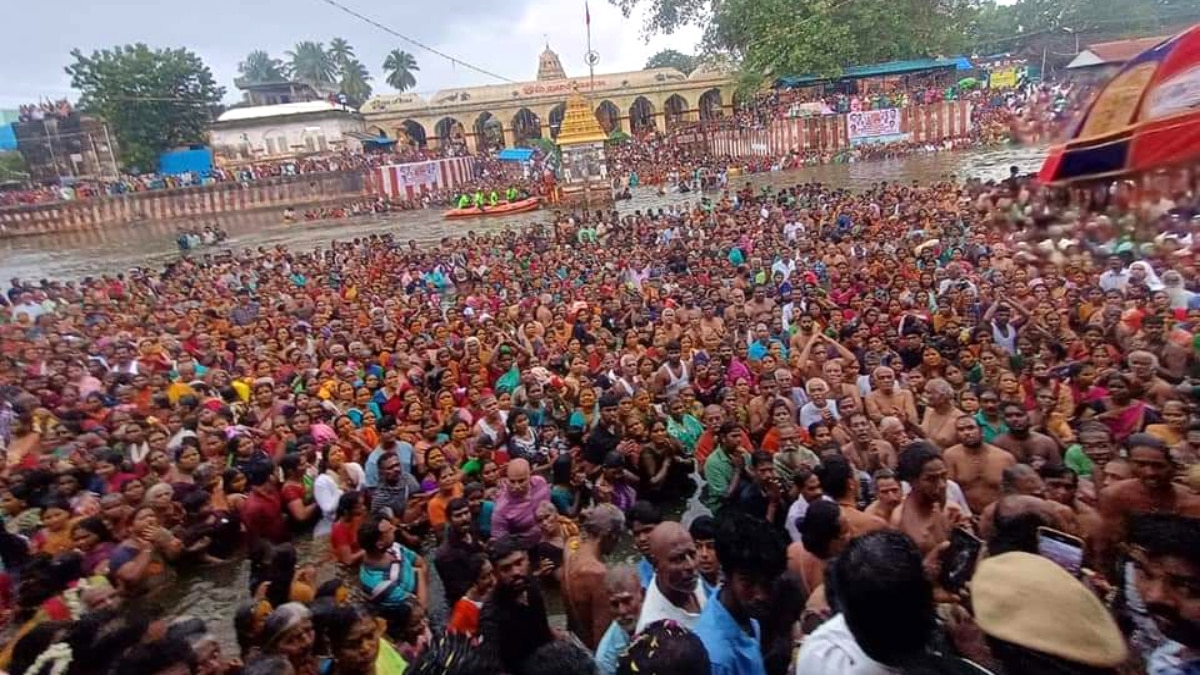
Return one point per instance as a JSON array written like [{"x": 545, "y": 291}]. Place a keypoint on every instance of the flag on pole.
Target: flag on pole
[{"x": 587, "y": 13}]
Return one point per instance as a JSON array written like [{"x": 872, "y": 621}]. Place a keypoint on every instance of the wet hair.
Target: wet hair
[
  {"x": 913, "y": 460},
  {"x": 560, "y": 470},
  {"x": 455, "y": 654},
  {"x": 644, "y": 513},
  {"x": 155, "y": 657},
  {"x": 559, "y": 657},
  {"x": 1014, "y": 532},
  {"x": 342, "y": 620},
  {"x": 499, "y": 549},
  {"x": 347, "y": 502},
  {"x": 820, "y": 527},
  {"x": 243, "y": 627},
  {"x": 703, "y": 528},
  {"x": 1142, "y": 440},
  {"x": 750, "y": 546},
  {"x": 835, "y": 474},
  {"x": 369, "y": 535},
  {"x": 885, "y": 597},
  {"x": 1167, "y": 535},
  {"x": 788, "y": 598},
  {"x": 31, "y": 645},
  {"x": 456, "y": 504},
  {"x": 268, "y": 665},
  {"x": 664, "y": 648}
]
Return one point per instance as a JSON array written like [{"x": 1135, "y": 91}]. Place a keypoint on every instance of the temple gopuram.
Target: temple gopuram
[{"x": 508, "y": 115}]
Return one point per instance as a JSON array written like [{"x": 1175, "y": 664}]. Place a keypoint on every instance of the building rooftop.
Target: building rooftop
[
  {"x": 1114, "y": 53},
  {"x": 281, "y": 110}
]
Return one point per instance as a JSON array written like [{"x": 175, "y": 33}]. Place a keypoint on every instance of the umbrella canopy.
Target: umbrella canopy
[{"x": 1146, "y": 117}]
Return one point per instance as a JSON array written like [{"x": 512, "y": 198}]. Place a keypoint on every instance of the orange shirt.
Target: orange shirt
[
  {"x": 437, "y": 507},
  {"x": 465, "y": 618}
]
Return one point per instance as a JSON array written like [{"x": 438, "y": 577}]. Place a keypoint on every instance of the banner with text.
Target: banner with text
[{"x": 873, "y": 126}]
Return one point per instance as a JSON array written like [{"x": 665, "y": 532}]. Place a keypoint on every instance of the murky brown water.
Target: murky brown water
[{"x": 114, "y": 250}]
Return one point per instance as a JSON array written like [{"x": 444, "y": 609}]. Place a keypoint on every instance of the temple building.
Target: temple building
[{"x": 508, "y": 115}]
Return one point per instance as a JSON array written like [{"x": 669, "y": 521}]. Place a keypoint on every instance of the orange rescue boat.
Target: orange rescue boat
[{"x": 507, "y": 208}]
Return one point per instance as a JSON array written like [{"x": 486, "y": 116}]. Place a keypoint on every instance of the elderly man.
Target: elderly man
[
  {"x": 516, "y": 507},
  {"x": 584, "y": 574},
  {"x": 624, "y": 596},
  {"x": 675, "y": 593}
]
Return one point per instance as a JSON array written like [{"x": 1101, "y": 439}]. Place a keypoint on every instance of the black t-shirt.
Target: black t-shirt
[{"x": 598, "y": 444}]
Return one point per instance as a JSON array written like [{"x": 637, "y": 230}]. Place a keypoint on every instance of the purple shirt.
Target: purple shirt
[{"x": 517, "y": 515}]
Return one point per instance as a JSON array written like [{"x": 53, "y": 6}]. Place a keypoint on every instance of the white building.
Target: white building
[{"x": 285, "y": 130}]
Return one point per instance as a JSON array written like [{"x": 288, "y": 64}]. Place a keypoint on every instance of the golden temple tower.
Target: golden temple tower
[{"x": 579, "y": 124}]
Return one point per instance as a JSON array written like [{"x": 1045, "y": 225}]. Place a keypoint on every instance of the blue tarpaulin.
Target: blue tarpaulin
[
  {"x": 878, "y": 70},
  {"x": 515, "y": 155}
]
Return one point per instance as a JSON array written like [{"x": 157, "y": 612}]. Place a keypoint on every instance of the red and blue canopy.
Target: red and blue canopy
[{"x": 1146, "y": 117}]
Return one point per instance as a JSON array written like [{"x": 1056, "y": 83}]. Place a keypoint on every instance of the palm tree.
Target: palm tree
[
  {"x": 259, "y": 67},
  {"x": 356, "y": 82},
  {"x": 340, "y": 51},
  {"x": 400, "y": 66},
  {"x": 309, "y": 63}
]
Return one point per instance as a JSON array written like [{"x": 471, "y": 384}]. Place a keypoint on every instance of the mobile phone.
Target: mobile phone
[
  {"x": 958, "y": 561},
  {"x": 1062, "y": 548}
]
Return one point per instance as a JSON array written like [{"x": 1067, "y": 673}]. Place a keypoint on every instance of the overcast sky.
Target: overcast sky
[{"x": 502, "y": 37}]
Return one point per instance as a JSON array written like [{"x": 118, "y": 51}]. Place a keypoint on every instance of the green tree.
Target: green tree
[
  {"x": 400, "y": 67},
  {"x": 308, "y": 62},
  {"x": 259, "y": 68},
  {"x": 669, "y": 58},
  {"x": 340, "y": 51},
  {"x": 355, "y": 82},
  {"x": 154, "y": 99},
  {"x": 12, "y": 166}
]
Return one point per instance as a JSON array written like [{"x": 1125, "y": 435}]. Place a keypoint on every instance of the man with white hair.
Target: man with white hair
[{"x": 584, "y": 574}]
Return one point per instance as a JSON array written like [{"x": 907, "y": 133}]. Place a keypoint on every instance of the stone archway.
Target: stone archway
[
  {"x": 526, "y": 126},
  {"x": 711, "y": 105},
  {"x": 449, "y": 130},
  {"x": 674, "y": 111},
  {"x": 641, "y": 116},
  {"x": 609, "y": 116},
  {"x": 489, "y": 131},
  {"x": 555, "y": 119},
  {"x": 412, "y": 133}
]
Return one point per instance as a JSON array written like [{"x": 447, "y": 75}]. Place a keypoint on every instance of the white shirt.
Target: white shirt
[
  {"x": 656, "y": 607},
  {"x": 810, "y": 413},
  {"x": 1114, "y": 281},
  {"x": 832, "y": 650}
]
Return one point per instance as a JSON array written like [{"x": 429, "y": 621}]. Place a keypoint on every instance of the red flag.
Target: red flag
[{"x": 587, "y": 12}]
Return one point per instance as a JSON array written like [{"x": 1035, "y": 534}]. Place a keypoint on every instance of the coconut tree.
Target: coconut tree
[
  {"x": 355, "y": 82},
  {"x": 340, "y": 51},
  {"x": 400, "y": 66},
  {"x": 259, "y": 67},
  {"x": 308, "y": 62}
]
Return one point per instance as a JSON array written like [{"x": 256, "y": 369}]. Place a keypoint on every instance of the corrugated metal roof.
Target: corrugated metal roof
[
  {"x": 263, "y": 111},
  {"x": 878, "y": 70}
]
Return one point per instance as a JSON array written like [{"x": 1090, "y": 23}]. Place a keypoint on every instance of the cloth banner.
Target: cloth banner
[
  {"x": 873, "y": 126},
  {"x": 415, "y": 175}
]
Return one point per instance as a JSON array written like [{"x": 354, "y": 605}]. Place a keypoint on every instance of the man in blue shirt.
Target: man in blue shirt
[{"x": 753, "y": 555}]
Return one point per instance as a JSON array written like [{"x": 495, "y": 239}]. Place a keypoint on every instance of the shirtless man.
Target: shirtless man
[
  {"x": 759, "y": 307},
  {"x": 939, "y": 422},
  {"x": 805, "y": 332},
  {"x": 976, "y": 466},
  {"x": 760, "y": 406},
  {"x": 1062, "y": 487},
  {"x": 865, "y": 451},
  {"x": 886, "y": 400},
  {"x": 888, "y": 495},
  {"x": 1173, "y": 359},
  {"x": 584, "y": 572},
  {"x": 1144, "y": 368},
  {"x": 834, "y": 374},
  {"x": 840, "y": 483},
  {"x": 1028, "y": 446},
  {"x": 1149, "y": 491},
  {"x": 709, "y": 321},
  {"x": 924, "y": 515}
]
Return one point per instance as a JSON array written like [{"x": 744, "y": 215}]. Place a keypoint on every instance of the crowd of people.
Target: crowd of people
[{"x": 931, "y": 428}]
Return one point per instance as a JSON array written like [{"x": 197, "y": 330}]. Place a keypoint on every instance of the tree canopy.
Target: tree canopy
[
  {"x": 153, "y": 99},
  {"x": 308, "y": 62},
  {"x": 770, "y": 38},
  {"x": 670, "y": 58},
  {"x": 400, "y": 68},
  {"x": 260, "y": 68}
]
